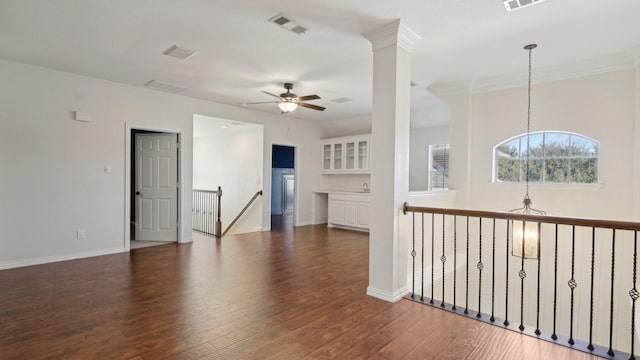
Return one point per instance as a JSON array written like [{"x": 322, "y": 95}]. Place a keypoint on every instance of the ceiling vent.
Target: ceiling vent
[
  {"x": 179, "y": 53},
  {"x": 286, "y": 23},
  {"x": 159, "y": 85},
  {"x": 341, "y": 100},
  {"x": 518, "y": 4}
]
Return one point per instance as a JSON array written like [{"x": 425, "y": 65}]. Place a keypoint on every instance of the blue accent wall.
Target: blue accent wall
[{"x": 282, "y": 157}]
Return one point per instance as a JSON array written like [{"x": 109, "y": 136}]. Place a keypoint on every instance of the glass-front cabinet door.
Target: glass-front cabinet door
[
  {"x": 337, "y": 156},
  {"x": 363, "y": 154},
  {"x": 326, "y": 157},
  {"x": 350, "y": 155}
]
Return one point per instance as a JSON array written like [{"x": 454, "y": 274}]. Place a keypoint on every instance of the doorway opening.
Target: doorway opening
[
  {"x": 154, "y": 188},
  {"x": 230, "y": 154},
  {"x": 282, "y": 187}
]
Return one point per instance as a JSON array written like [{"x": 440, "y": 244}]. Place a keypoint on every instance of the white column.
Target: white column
[{"x": 388, "y": 248}]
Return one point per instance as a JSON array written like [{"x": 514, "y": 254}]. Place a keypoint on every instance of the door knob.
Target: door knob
[{"x": 137, "y": 192}]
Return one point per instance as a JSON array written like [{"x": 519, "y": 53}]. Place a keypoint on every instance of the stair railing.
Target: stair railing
[{"x": 246, "y": 207}]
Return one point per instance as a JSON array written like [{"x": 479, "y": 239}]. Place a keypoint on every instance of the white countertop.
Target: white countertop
[{"x": 342, "y": 192}]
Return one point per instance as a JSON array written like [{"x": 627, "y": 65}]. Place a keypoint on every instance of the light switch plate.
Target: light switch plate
[{"x": 82, "y": 116}]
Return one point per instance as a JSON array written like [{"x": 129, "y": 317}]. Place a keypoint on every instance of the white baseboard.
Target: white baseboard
[
  {"x": 387, "y": 296},
  {"x": 50, "y": 259},
  {"x": 186, "y": 240}
]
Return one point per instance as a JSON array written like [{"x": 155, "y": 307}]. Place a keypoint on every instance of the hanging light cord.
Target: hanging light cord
[
  {"x": 526, "y": 202},
  {"x": 530, "y": 48}
]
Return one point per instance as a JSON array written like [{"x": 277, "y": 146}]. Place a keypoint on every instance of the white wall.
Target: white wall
[
  {"x": 356, "y": 125},
  {"x": 600, "y": 107},
  {"x": 52, "y": 179},
  {"x": 420, "y": 139},
  {"x": 233, "y": 159}
]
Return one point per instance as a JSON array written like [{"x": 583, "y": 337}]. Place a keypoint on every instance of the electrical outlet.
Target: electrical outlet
[{"x": 82, "y": 234}]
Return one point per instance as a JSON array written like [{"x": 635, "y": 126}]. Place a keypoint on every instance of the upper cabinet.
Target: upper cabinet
[{"x": 346, "y": 155}]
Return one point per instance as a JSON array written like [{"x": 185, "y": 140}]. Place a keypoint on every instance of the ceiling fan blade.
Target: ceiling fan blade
[
  {"x": 308, "y": 97},
  {"x": 262, "y": 102},
  {"x": 274, "y": 95},
  {"x": 310, "y": 106}
]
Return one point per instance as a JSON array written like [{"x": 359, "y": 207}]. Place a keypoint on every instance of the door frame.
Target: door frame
[
  {"x": 127, "y": 180},
  {"x": 296, "y": 166}
]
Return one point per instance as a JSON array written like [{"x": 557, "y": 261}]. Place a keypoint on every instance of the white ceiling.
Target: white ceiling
[{"x": 240, "y": 53}]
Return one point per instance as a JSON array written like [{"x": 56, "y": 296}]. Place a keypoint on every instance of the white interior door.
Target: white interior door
[
  {"x": 288, "y": 193},
  {"x": 156, "y": 187}
]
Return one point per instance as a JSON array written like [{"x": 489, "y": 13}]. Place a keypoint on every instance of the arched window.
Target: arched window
[{"x": 554, "y": 157}]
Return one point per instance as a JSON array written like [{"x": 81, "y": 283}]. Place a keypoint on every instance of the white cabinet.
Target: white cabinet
[
  {"x": 346, "y": 155},
  {"x": 336, "y": 212},
  {"x": 349, "y": 210}
]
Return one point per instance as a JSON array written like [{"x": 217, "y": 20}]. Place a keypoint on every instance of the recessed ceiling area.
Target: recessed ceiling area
[{"x": 240, "y": 53}]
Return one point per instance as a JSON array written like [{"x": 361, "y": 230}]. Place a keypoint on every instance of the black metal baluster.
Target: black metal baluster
[
  {"x": 466, "y": 305},
  {"x": 613, "y": 268},
  {"x": 455, "y": 256},
  {"x": 506, "y": 294},
  {"x": 634, "y": 294},
  {"x": 480, "y": 267},
  {"x": 538, "y": 291},
  {"x": 433, "y": 226},
  {"x": 572, "y": 283},
  {"x": 493, "y": 271},
  {"x": 413, "y": 255},
  {"x": 443, "y": 259},
  {"x": 522, "y": 275},
  {"x": 422, "y": 271},
  {"x": 554, "y": 336},
  {"x": 593, "y": 258}
]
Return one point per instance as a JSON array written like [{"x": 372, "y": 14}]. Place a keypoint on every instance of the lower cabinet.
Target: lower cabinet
[
  {"x": 336, "y": 212},
  {"x": 349, "y": 210}
]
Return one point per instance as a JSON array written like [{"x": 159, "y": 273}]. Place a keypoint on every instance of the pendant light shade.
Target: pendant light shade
[{"x": 287, "y": 106}]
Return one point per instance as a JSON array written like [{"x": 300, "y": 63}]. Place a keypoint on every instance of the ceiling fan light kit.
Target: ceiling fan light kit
[{"x": 287, "y": 106}]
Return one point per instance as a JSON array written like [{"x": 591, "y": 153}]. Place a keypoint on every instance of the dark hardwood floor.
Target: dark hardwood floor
[{"x": 274, "y": 295}]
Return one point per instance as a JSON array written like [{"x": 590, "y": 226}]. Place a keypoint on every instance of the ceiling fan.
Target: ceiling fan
[{"x": 288, "y": 101}]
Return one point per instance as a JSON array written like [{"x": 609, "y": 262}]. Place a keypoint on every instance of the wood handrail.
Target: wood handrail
[
  {"x": 255, "y": 196},
  {"x": 206, "y": 191},
  {"x": 561, "y": 220}
]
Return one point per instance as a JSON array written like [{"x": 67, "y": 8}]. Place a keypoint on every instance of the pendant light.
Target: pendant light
[{"x": 525, "y": 236}]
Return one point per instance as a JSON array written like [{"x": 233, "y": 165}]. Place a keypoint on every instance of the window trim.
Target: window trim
[{"x": 494, "y": 170}]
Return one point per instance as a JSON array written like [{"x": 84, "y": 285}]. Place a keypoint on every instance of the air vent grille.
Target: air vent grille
[
  {"x": 159, "y": 85},
  {"x": 281, "y": 20},
  {"x": 511, "y": 5},
  {"x": 179, "y": 53},
  {"x": 286, "y": 23}
]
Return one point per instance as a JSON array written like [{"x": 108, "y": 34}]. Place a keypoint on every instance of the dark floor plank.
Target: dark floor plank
[{"x": 286, "y": 294}]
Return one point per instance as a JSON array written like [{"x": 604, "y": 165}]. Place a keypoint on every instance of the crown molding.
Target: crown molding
[
  {"x": 590, "y": 67},
  {"x": 394, "y": 33},
  {"x": 451, "y": 88}
]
